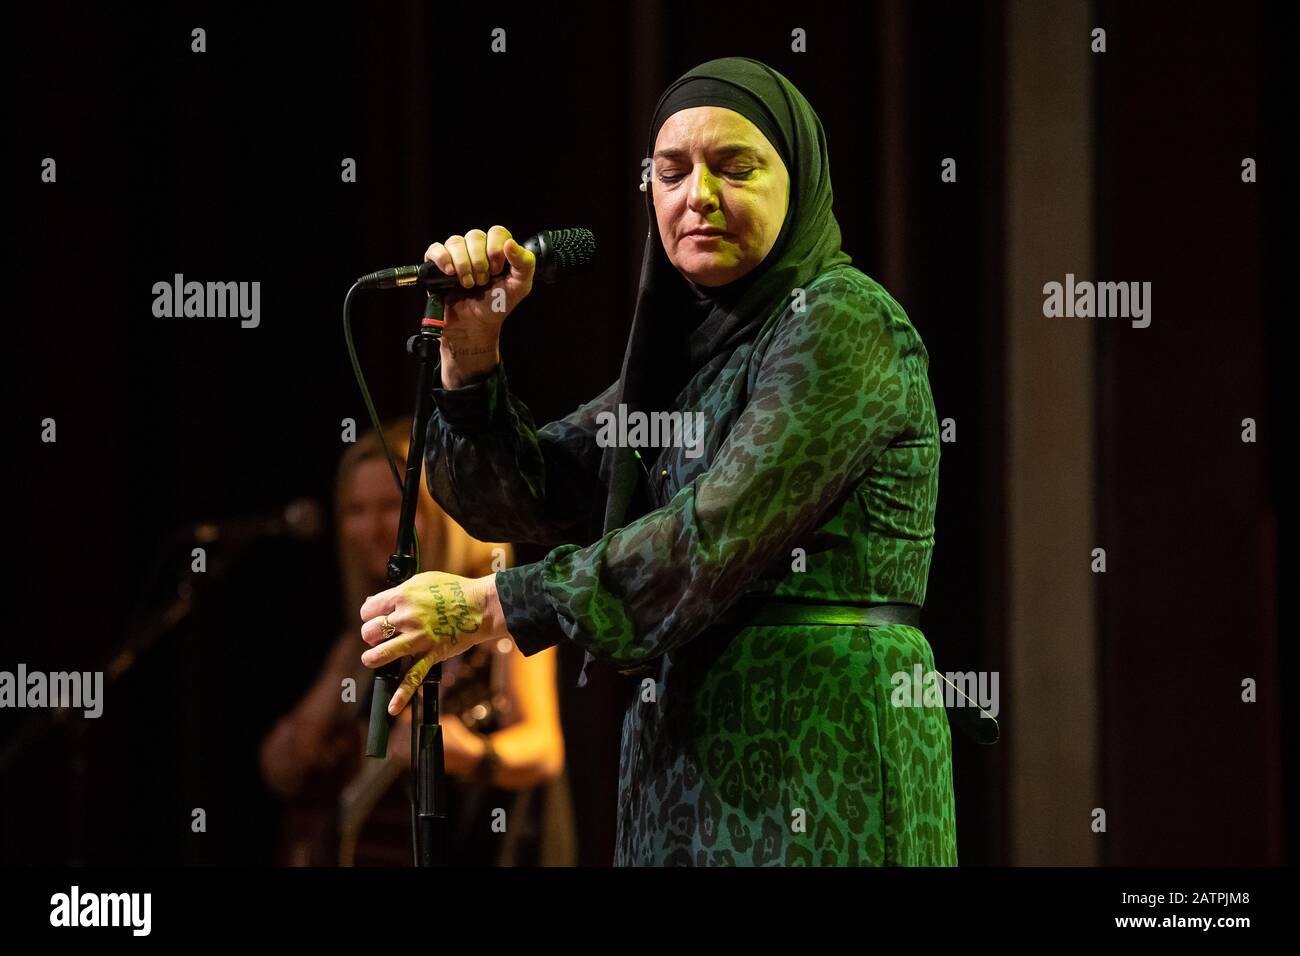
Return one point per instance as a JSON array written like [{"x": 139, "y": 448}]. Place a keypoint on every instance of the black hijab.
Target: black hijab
[{"x": 680, "y": 329}]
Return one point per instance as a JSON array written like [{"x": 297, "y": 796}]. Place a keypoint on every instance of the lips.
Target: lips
[{"x": 706, "y": 233}]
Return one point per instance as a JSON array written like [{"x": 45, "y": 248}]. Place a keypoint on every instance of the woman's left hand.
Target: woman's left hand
[{"x": 433, "y": 616}]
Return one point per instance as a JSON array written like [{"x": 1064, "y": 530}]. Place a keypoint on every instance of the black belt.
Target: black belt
[{"x": 769, "y": 613}]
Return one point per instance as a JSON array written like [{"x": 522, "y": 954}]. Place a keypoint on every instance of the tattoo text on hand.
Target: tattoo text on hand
[
  {"x": 453, "y": 609},
  {"x": 462, "y": 351}
]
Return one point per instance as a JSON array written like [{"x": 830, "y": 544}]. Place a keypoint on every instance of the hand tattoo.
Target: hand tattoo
[
  {"x": 453, "y": 611},
  {"x": 461, "y": 350}
]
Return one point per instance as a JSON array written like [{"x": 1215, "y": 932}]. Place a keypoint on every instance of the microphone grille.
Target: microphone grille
[{"x": 571, "y": 248}]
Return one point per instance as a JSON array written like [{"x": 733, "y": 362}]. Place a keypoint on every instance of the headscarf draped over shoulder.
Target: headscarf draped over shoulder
[{"x": 670, "y": 343}]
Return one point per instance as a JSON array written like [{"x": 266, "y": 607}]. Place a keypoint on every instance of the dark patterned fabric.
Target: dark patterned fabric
[{"x": 818, "y": 480}]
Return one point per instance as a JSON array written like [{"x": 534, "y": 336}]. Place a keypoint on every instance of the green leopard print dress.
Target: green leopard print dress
[{"x": 749, "y": 745}]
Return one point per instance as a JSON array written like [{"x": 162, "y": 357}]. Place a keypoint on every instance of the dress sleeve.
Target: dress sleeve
[
  {"x": 501, "y": 479},
  {"x": 831, "y": 393}
]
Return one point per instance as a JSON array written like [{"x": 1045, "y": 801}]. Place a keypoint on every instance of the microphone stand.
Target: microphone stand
[{"x": 430, "y": 779}]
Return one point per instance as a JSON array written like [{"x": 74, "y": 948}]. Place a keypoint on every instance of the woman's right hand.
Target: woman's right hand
[{"x": 474, "y": 313}]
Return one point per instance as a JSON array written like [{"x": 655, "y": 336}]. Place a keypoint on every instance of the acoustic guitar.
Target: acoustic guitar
[{"x": 369, "y": 823}]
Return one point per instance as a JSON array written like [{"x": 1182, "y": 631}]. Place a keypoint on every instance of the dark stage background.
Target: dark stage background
[{"x": 225, "y": 166}]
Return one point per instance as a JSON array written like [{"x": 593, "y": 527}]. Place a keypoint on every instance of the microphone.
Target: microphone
[
  {"x": 558, "y": 252},
  {"x": 301, "y": 518}
]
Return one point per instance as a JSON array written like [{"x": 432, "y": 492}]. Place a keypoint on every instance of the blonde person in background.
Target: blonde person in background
[{"x": 503, "y": 746}]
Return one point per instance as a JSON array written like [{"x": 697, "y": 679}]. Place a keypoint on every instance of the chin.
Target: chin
[{"x": 710, "y": 274}]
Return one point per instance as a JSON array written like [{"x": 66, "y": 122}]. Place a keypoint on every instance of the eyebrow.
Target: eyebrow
[{"x": 720, "y": 152}]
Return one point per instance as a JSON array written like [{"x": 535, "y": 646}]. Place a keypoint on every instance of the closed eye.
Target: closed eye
[{"x": 729, "y": 173}]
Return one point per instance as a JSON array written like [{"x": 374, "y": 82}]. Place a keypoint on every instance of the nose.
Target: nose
[{"x": 703, "y": 195}]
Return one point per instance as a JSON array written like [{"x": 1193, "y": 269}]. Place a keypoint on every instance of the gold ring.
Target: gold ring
[{"x": 386, "y": 627}]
